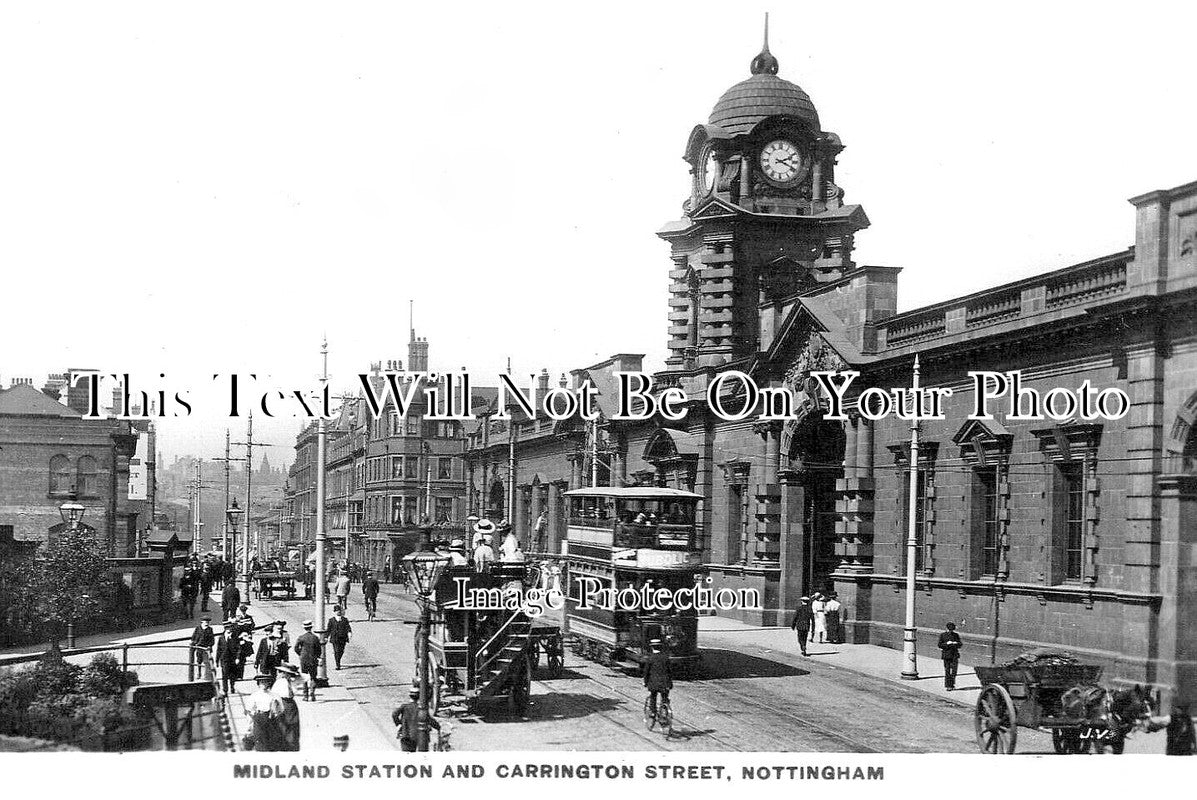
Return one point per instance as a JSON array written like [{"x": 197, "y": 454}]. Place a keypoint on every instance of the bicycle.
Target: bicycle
[{"x": 663, "y": 717}]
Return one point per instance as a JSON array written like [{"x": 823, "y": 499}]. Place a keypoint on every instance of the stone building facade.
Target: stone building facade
[
  {"x": 1068, "y": 532},
  {"x": 50, "y": 453}
]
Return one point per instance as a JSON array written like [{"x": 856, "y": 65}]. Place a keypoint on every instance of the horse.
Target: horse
[{"x": 1109, "y": 715}]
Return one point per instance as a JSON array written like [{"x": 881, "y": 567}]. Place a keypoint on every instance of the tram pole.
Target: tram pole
[
  {"x": 423, "y": 718},
  {"x": 910, "y": 661}
]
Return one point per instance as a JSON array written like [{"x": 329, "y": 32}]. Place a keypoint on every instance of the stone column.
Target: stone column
[
  {"x": 1143, "y": 445},
  {"x": 768, "y": 497},
  {"x": 850, "y": 447},
  {"x": 1178, "y": 585},
  {"x": 793, "y": 541},
  {"x": 555, "y": 515}
]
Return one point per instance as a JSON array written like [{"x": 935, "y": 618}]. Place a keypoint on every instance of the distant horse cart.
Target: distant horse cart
[{"x": 1051, "y": 691}]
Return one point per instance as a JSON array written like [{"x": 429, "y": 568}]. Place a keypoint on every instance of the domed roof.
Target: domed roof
[{"x": 763, "y": 95}]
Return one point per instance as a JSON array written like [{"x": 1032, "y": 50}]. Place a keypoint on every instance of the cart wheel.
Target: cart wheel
[
  {"x": 555, "y": 657},
  {"x": 995, "y": 721},
  {"x": 434, "y": 688},
  {"x": 521, "y": 687}
]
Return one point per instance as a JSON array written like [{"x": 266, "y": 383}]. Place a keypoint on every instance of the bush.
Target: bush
[
  {"x": 103, "y": 677},
  {"x": 17, "y": 691},
  {"x": 56, "y": 678}
]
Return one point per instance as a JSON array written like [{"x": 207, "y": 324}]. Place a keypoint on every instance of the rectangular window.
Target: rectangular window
[
  {"x": 355, "y": 515},
  {"x": 411, "y": 510},
  {"x": 396, "y": 510},
  {"x": 396, "y": 426},
  {"x": 444, "y": 509},
  {"x": 444, "y": 469},
  {"x": 396, "y": 467},
  {"x": 413, "y": 426},
  {"x": 413, "y": 467},
  {"x": 986, "y": 519},
  {"x": 1073, "y": 479}
]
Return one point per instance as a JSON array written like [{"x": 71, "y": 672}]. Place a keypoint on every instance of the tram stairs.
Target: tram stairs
[{"x": 503, "y": 654}]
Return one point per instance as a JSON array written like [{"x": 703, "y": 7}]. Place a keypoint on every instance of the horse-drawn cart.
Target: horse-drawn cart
[{"x": 1062, "y": 697}]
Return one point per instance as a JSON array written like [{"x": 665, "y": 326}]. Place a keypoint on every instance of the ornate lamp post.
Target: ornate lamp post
[
  {"x": 424, "y": 570},
  {"x": 72, "y": 515},
  {"x": 233, "y": 515}
]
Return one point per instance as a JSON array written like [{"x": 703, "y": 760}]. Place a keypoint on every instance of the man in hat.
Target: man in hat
[
  {"x": 339, "y": 633},
  {"x": 341, "y": 589},
  {"x": 803, "y": 616},
  {"x": 407, "y": 721},
  {"x": 288, "y": 719},
  {"x": 271, "y": 653},
  {"x": 202, "y": 639},
  {"x": 265, "y": 709},
  {"x": 457, "y": 553},
  {"x": 308, "y": 650},
  {"x": 245, "y": 620},
  {"x": 484, "y": 553},
  {"x": 949, "y": 649},
  {"x": 228, "y": 656},
  {"x": 370, "y": 589},
  {"x": 280, "y": 625},
  {"x": 230, "y": 598},
  {"x": 657, "y": 677}
]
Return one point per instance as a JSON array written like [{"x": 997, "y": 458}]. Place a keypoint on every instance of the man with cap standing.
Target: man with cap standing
[
  {"x": 370, "y": 589},
  {"x": 657, "y": 676},
  {"x": 803, "y": 616},
  {"x": 202, "y": 639},
  {"x": 308, "y": 650},
  {"x": 288, "y": 719},
  {"x": 339, "y": 633},
  {"x": 949, "y": 648}
]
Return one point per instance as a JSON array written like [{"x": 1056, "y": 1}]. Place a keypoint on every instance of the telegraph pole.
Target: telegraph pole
[
  {"x": 196, "y": 524},
  {"x": 227, "y": 543},
  {"x": 321, "y": 578},
  {"x": 250, "y": 444},
  {"x": 909, "y": 652}
]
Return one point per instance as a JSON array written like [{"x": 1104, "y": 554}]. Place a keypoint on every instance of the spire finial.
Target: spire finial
[{"x": 764, "y": 63}]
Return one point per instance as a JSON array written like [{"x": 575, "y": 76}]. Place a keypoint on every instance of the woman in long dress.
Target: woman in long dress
[
  {"x": 288, "y": 718},
  {"x": 819, "y": 610}
]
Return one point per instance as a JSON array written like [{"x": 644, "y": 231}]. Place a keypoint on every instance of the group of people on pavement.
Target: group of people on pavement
[
  {"x": 818, "y": 619},
  {"x": 200, "y": 577}
]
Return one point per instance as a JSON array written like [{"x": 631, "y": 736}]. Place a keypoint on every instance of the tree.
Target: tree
[{"x": 68, "y": 576}]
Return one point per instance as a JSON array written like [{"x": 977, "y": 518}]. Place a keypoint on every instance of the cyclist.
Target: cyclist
[{"x": 657, "y": 678}]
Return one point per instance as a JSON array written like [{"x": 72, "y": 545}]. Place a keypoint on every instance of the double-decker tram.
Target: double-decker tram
[{"x": 623, "y": 546}]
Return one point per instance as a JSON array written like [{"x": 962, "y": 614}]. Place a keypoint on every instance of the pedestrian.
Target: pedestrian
[
  {"x": 230, "y": 598},
  {"x": 542, "y": 525},
  {"x": 308, "y": 650},
  {"x": 818, "y": 608},
  {"x": 280, "y": 625},
  {"x": 407, "y": 721},
  {"x": 387, "y": 575},
  {"x": 202, "y": 639},
  {"x": 244, "y": 619},
  {"x": 188, "y": 588},
  {"x": 803, "y": 617},
  {"x": 288, "y": 720},
  {"x": 835, "y": 623},
  {"x": 510, "y": 542},
  {"x": 265, "y": 710},
  {"x": 370, "y": 589},
  {"x": 229, "y": 657},
  {"x": 339, "y": 633},
  {"x": 341, "y": 590},
  {"x": 205, "y": 577},
  {"x": 949, "y": 649},
  {"x": 1179, "y": 736},
  {"x": 270, "y": 654},
  {"x": 484, "y": 554}
]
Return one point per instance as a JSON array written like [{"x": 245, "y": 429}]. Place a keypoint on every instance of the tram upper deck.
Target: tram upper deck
[{"x": 633, "y": 526}]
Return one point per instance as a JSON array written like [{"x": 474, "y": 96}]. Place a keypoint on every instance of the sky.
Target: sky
[{"x": 198, "y": 189}]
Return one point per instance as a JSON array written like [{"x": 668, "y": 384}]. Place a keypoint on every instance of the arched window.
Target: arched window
[
  {"x": 87, "y": 483},
  {"x": 60, "y": 475}
]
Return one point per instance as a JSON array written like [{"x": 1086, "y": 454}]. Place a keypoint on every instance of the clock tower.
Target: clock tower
[{"x": 764, "y": 221}]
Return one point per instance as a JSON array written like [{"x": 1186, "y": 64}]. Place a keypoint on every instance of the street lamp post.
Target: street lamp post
[
  {"x": 424, "y": 570},
  {"x": 321, "y": 543},
  {"x": 910, "y": 670},
  {"x": 72, "y": 515},
  {"x": 232, "y": 517}
]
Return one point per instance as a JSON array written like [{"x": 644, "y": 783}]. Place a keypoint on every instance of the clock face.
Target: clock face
[
  {"x": 710, "y": 171},
  {"x": 780, "y": 161}
]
